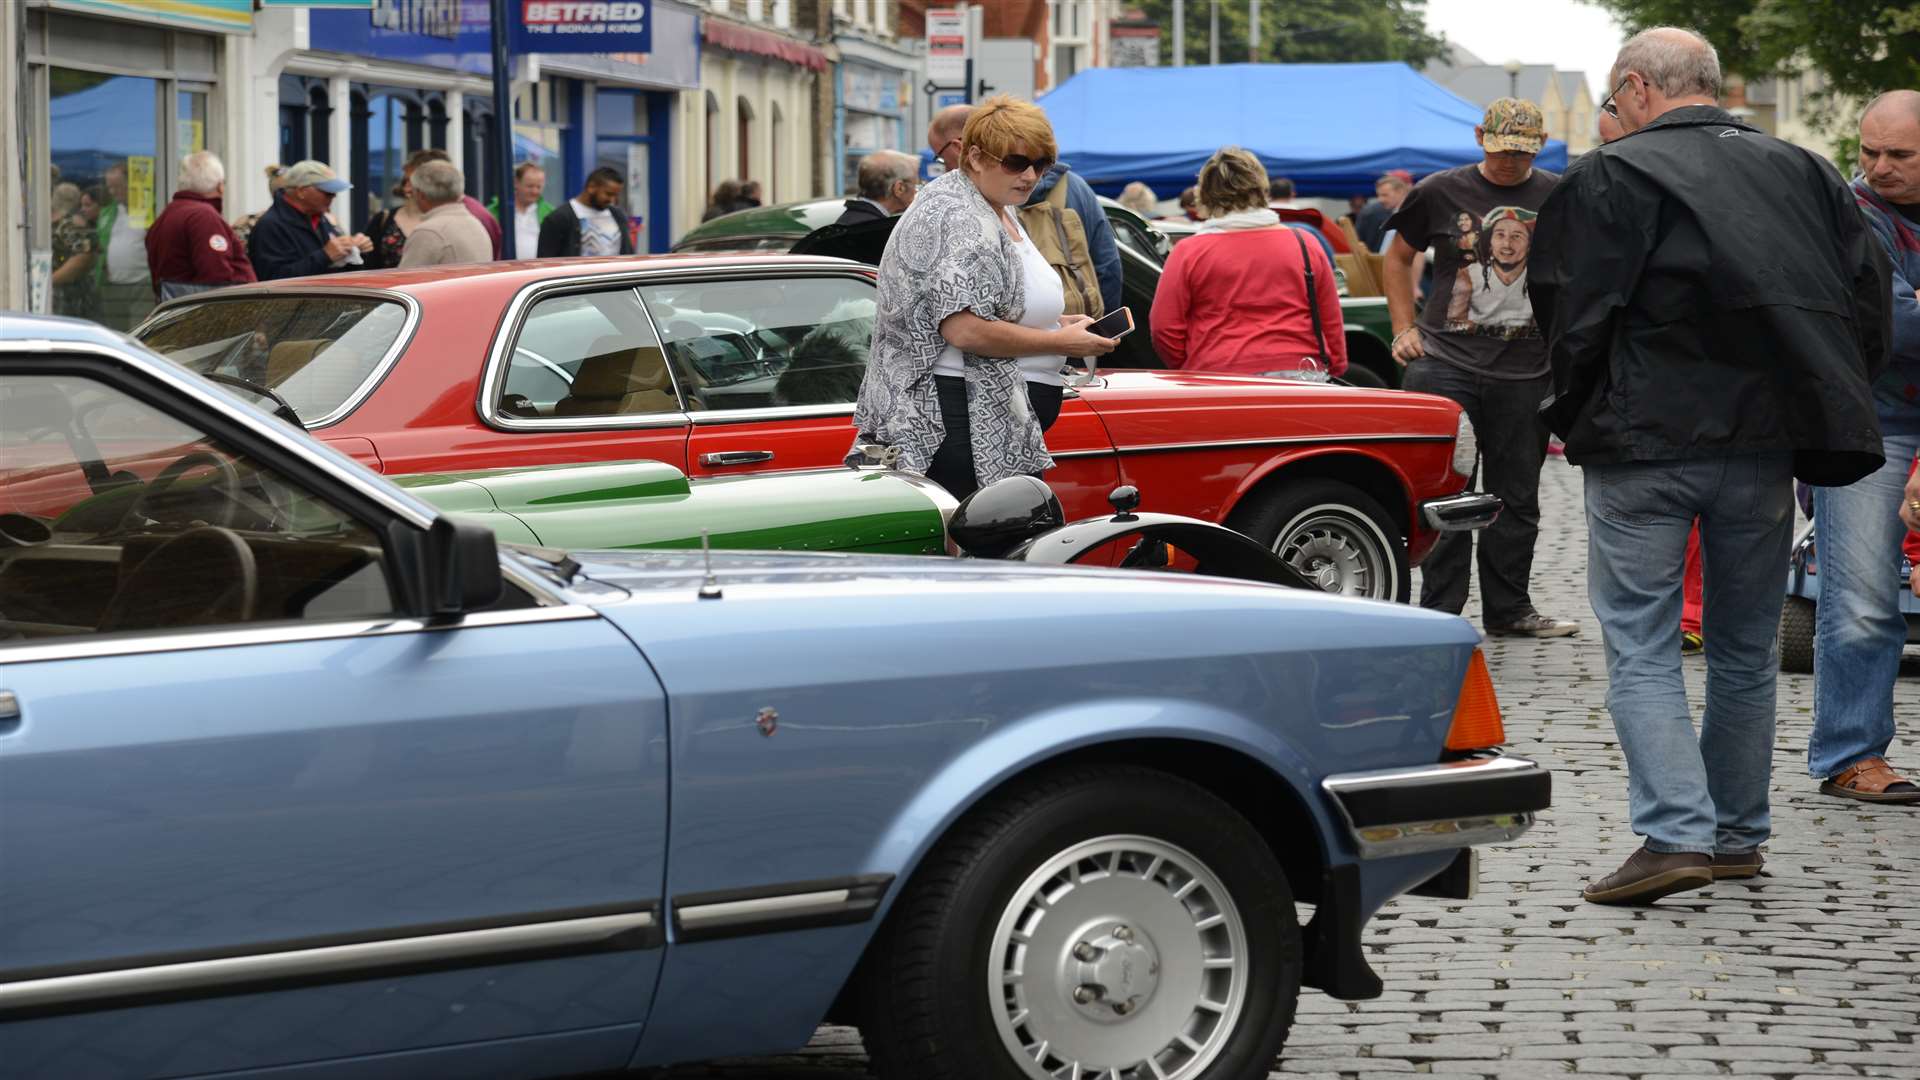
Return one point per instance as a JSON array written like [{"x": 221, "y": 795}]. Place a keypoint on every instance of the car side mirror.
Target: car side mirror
[{"x": 463, "y": 568}]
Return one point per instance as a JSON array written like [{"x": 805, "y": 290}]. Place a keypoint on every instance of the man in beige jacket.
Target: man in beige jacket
[{"x": 449, "y": 234}]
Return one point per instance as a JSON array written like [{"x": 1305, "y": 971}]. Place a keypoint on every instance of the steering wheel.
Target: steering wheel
[
  {"x": 202, "y": 577},
  {"x": 227, "y": 482}
]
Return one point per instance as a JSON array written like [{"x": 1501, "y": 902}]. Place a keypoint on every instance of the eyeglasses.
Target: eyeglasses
[
  {"x": 1607, "y": 106},
  {"x": 1015, "y": 164}
]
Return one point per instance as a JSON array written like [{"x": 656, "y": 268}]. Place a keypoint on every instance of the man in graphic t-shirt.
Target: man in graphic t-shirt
[
  {"x": 1475, "y": 341},
  {"x": 590, "y": 223}
]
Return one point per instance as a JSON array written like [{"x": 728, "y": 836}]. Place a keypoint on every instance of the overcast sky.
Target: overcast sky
[{"x": 1569, "y": 35}]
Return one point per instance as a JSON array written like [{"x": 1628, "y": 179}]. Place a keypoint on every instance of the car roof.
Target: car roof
[
  {"x": 18, "y": 326},
  {"x": 508, "y": 278}
]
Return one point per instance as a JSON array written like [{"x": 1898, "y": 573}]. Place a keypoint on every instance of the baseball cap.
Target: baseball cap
[
  {"x": 312, "y": 174},
  {"x": 1513, "y": 125}
]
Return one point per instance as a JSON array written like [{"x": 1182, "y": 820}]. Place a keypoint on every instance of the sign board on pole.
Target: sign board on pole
[{"x": 947, "y": 46}]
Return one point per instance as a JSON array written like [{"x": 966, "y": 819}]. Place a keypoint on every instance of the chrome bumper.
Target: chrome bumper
[
  {"x": 1455, "y": 804},
  {"x": 1467, "y": 510}
]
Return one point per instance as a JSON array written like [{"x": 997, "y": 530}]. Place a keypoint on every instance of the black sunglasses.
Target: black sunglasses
[
  {"x": 1607, "y": 106},
  {"x": 1015, "y": 164}
]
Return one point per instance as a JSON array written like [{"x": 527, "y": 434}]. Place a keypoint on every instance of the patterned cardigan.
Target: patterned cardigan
[{"x": 948, "y": 253}]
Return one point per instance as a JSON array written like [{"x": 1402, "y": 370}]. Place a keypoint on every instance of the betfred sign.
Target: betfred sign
[
  {"x": 584, "y": 26},
  {"x": 946, "y": 46}
]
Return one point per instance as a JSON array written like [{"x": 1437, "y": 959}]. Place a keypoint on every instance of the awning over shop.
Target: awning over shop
[
  {"x": 745, "y": 39},
  {"x": 1331, "y": 128}
]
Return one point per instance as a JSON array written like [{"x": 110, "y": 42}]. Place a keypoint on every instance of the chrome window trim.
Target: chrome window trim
[
  {"x": 722, "y": 417},
  {"x": 228, "y": 974},
  {"x": 178, "y": 379},
  {"x": 284, "y": 633},
  {"x": 493, "y": 377},
  {"x": 374, "y": 377}
]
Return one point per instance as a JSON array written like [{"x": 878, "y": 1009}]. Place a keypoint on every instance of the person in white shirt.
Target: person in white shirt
[
  {"x": 126, "y": 286},
  {"x": 590, "y": 223},
  {"x": 530, "y": 209}
]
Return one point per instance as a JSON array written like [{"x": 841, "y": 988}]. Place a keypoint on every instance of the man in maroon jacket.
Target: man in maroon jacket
[{"x": 190, "y": 248}]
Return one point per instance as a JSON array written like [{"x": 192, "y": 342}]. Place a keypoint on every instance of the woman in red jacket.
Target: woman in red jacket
[{"x": 1235, "y": 297}]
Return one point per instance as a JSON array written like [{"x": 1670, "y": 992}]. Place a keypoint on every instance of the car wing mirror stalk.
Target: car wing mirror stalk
[{"x": 459, "y": 570}]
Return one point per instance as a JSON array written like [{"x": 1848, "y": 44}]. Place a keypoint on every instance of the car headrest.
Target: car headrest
[
  {"x": 287, "y": 357},
  {"x": 615, "y": 368}
]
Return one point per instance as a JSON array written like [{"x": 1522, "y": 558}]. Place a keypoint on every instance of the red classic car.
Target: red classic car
[{"x": 749, "y": 363}]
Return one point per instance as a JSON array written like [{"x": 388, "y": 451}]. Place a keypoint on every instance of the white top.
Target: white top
[
  {"x": 599, "y": 233},
  {"x": 126, "y": 250},
  {"x": 526, "y": 232},
  {"x": 1046, "y": 302}
]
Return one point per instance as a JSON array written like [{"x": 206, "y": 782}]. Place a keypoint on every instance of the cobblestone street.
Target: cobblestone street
[{"x": 1812, "y": 970}]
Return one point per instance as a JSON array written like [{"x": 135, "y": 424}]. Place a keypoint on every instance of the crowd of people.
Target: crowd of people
[
  {"x": 109, "y": 268},
  {"x": 1767, "y": 332}
]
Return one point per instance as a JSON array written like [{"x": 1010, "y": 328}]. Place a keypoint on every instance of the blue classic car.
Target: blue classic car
[{"x": 300, "y": 777}]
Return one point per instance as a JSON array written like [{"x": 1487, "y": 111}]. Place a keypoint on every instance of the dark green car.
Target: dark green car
[{"x": 1143, "y": 250}]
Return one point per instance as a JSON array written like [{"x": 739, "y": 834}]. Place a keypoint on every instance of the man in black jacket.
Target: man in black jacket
[
  {"x": 1715, "y": 311},
  {"x": 294, "y": 237},
  {"x": 886, "y": 186},
  {"x": 590, "y": 223}
]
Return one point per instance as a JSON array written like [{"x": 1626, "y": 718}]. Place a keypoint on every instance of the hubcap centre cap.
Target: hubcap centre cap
[{"x": 1116, "y": 970}]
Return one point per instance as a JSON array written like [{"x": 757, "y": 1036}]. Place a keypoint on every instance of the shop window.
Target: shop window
[
  {"x": 713, "y": 146},
  {"x": 192, "y": 118},
  {"x": 775, "y": 123},
  {"x": 745, "y": 114},
  {"x": 108, "y": 172}
]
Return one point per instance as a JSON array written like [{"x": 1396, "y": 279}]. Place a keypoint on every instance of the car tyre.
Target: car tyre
[
  {"x": 1796, "y": 635},
  {"x": 1067, "y": 883},
  {"x": 1334, "y": 534}
]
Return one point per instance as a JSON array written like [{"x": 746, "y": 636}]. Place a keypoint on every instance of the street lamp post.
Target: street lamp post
[{"x": 1513, "y": 78}]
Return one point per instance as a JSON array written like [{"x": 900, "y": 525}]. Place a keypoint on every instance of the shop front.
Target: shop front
[
  {"x": 116, "y": 93},
  {"x": 873, "y": 100},
  {"x": 372, "y": 87}
]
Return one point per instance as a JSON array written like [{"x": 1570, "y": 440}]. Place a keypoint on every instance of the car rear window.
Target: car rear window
[{"x": 317, "y": 352}]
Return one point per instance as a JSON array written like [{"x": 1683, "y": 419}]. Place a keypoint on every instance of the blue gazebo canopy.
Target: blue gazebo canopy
[{"x": 1331, "y": 128}]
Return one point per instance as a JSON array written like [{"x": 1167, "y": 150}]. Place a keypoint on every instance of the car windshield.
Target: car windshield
[{"x": 315, "y": 352}]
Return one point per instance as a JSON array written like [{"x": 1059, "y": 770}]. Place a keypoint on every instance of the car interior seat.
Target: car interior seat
[
  {"x": 287, "y": 357},
  {"x": 619, "y": 379}
]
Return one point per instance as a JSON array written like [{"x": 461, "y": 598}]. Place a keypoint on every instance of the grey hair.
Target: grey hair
[
  {"x": 881, "y": 170},
  {"x": 438, "y": 183},
  {"x": 1677, "y": 62},
  {"x": 201, "y": 172}
]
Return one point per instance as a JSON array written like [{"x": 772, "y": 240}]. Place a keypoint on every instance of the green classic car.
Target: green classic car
[
  {"x": 1143, "y": 251},
  {"x": 650, "y": 504}
]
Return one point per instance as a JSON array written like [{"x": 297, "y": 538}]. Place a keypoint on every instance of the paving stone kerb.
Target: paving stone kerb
[{"x": 1812, "y": 970}]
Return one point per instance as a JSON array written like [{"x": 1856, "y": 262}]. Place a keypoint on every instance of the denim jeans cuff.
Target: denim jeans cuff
[{"x": 1659, "y": 848}]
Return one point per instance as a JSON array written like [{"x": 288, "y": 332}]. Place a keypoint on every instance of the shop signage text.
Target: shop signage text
[
  {"x": 584, "y": 26},
  {"x": 434, "y": 18}
]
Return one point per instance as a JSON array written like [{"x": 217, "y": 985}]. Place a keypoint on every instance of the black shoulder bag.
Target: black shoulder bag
[{"x": 1313, "y": 303}]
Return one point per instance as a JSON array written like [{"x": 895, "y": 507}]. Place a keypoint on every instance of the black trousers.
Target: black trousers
[
  {"x": 1513, "y": 445},
  {"x": 952, "y": 465}
]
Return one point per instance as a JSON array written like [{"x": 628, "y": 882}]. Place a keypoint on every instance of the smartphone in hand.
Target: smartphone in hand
[{"x": 1117, "y": 323}]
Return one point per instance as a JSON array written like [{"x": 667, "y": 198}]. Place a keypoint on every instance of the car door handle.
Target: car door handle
[
  {"x": 9, "y": 711},
  {"x": 736, "y": 457}
]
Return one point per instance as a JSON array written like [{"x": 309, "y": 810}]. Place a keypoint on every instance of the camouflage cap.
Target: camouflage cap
[{"x": 1513, "y": 125}]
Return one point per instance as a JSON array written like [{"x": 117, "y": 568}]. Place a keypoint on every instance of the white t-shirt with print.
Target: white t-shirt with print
[
  {"x": 599, "y": 232},
  {"x": 1046, "y": 302}
]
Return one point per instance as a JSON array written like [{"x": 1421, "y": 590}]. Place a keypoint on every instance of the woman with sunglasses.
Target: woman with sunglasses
[{"x": 969, "y": 312}]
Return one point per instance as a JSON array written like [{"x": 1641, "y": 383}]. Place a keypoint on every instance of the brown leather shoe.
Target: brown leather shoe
[
  {"x": 1872, "y": 780},
  {"x": 1743, "y": 864},
  {"x": 1648, "y": 875}
]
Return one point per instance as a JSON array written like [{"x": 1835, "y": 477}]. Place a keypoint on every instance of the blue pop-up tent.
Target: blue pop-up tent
[{"x": 1332, "y": 128}]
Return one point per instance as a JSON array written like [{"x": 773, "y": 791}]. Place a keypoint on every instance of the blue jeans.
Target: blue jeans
[
  {"x": 1858, "y": 629},
  {"x": 1687, "y": 793}
]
